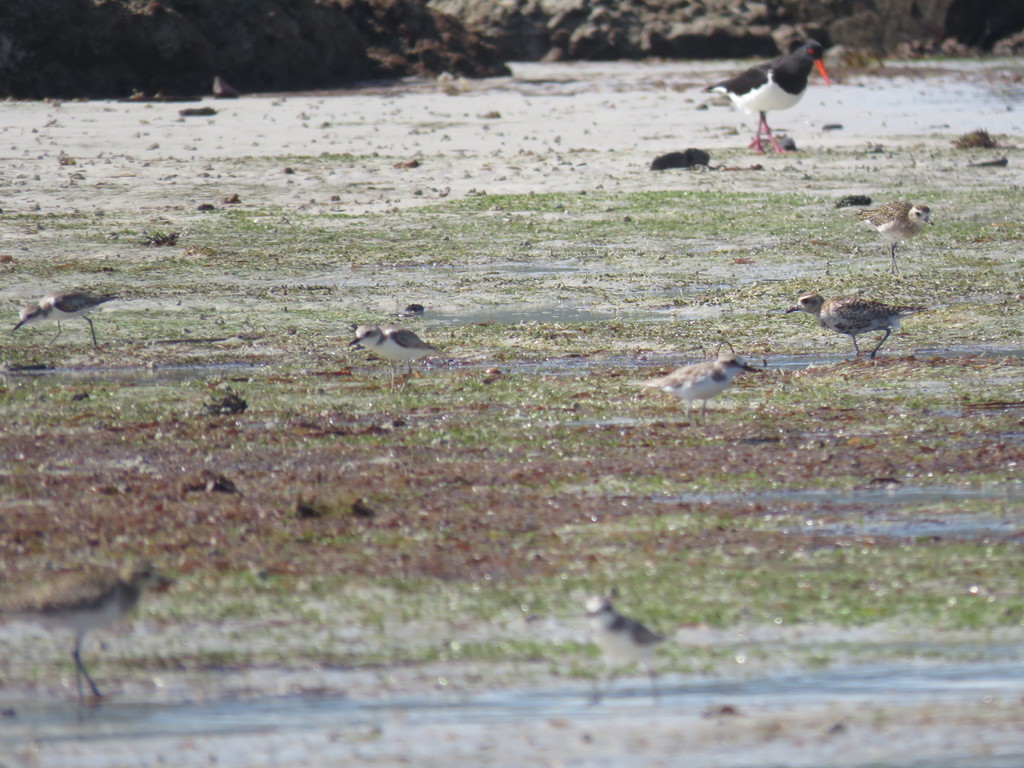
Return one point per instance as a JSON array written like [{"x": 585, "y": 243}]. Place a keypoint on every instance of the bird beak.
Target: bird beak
[
  {"x": 751, "y": 368},
  {"x": 793, "y": 309},
  {"x": 821, "y": 71},
  {"x": 354, "y": 343},
  {"x": 20, "y": 323}
]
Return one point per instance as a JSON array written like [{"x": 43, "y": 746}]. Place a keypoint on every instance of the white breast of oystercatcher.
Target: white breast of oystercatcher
[{"x": 775, "y": 84}]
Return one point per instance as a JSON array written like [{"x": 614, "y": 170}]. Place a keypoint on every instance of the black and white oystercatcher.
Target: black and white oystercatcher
[{"x": 775, "y": 84}]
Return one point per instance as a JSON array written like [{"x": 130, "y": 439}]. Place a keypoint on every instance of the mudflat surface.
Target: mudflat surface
[{"x": 835, "y": 554}]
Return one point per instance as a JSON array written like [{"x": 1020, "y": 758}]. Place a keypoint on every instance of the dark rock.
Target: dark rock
[
  {"x": 113, "y": 48},
  {"x": 228, "y": 405},
  {"x": 686, "y": 159},
  {"x": 786, "y": 143},
  {"x": 361, "y": 509},
  {"x": 405, "y": 37},
  {"x": 999, "y": 162},
  {"x": 207, "y": 481},
  {"x": 555, "y": 30},
  {"x": 886, "y": 25},
  {"x": 858, "y": 200},
  {"x": 159, "y": 239}
]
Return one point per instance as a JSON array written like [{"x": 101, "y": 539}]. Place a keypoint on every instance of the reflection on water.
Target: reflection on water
[
  {"x": 883, "y": 518},
  {"x": 163, "y": 374},
  {"x": 892, "y": 685}
]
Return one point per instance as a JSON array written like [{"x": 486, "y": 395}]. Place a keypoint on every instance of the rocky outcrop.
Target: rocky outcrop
[
  {"x": 694, "y": 29},
  {"x": 902, "y": 26},
  {"x": 525, "y": 30},
  {"x": 112, "y": 48}
]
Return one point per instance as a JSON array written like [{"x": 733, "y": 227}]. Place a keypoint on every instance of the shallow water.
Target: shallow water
[
  {"x": 142, "y": 375},
  {"x": 901, "y": 685}
]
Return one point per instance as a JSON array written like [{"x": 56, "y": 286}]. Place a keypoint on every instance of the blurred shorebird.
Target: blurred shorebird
[
  {"x": 700, "y": 381},
  {"x": 394, "y": 344},
  {"x": 898, "y": 221},
  {"x": 853, "y": 316},
  {"x": 81, "y": 602},
  {"x": 624, "y": 642},
  {"x": 62, "y": 305}
]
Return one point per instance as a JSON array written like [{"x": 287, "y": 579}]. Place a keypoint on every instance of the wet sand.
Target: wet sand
[{"x": 547, "y": 129}]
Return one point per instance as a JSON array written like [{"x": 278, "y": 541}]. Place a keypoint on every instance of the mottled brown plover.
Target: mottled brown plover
[
  {"x": 61, "y": 306},
  {"x": 773, "y": 85},
  {"x": 624, "y": 642},
  {"x": 81, "y": 602},
  {"x": 853, "y": 316},
  {"x": 898, "y": 221},
  {"x": 700, "y": 381},
  {"x": 394, "y": 344}
]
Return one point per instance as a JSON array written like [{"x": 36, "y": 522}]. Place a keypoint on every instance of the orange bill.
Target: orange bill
[{"x": 822, "y": 72}]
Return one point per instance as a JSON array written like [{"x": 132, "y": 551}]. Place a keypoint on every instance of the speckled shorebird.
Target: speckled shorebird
[
  {"x": 394, "y": 344},
  {"x": 773, "y": 85},
  {"x": 92, "y": 601},
  {"x": 898, "y": 221},
  {"x": 853, "y": 316},
  {"x": 624, "y": 642},
  {"x": 700, "y": 381},
  {"x": 62, "y": 305}
]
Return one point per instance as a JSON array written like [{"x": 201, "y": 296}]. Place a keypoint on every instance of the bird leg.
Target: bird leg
[
  {"x": 894, "y": 269},
  {"x": 856, "y": 349},
  {"x": 408, "y": 375},
  {"x": 771, "y": 138},
  {"x": 91, "y": 328},
  {"x": 756, "y": 143},
  {"x": 880, "y": 343},
  {"x": 58, "y": 334},
  {"x": 598, "y": 693},
  {"x": 655, "y": 695},
  {"x": 81, "y": 671}
]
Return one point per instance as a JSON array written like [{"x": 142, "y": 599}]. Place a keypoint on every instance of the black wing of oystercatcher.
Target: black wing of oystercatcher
[{"x": 775, "y": 84}]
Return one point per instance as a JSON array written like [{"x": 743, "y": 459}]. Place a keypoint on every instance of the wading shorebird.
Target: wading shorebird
[
  {"x": 853, "y": 316},
  {"x": 81, "y": 602},
  {"x": 773, "y": 85},
  {"x": 61, "y": 306},
  {"x": 394, "y": 344},
  {"x": 700, "y": 381},
  {"x": 898, "y": 221},
  {"x": 624, "y": 642}
]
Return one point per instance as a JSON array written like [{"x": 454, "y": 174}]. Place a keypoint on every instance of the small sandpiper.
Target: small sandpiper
[
  {"x": 61, "y": 306},
  {"x": 624, "y": 642},
  {"x": 778, "y": 84},
  {"x": 394, "y": 344},
  {"x": 700, "y": 381},
  {"x": 83, "y": 602},
  {"x": 853, "y": 316},
  {"x": 898, "y": 221}
]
